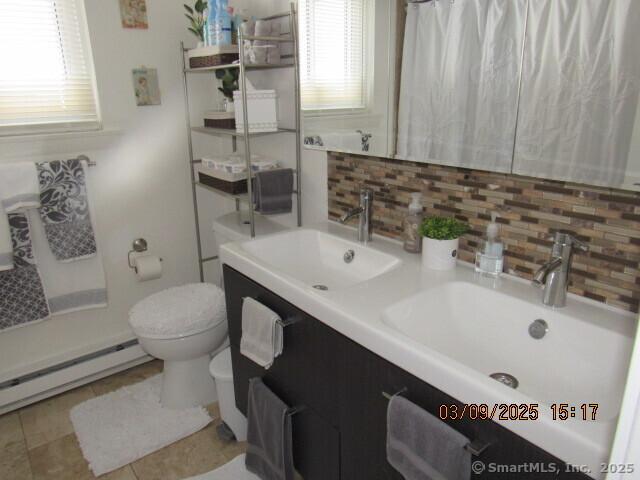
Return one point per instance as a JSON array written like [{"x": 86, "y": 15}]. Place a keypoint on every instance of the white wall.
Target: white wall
[{"x": 140, "y": 187}]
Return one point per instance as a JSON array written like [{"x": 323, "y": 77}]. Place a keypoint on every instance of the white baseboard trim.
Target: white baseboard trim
[{"x": 48, "y": 385}]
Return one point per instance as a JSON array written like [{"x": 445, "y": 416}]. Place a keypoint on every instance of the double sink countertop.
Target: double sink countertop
[{"x": 452, "y": 329}]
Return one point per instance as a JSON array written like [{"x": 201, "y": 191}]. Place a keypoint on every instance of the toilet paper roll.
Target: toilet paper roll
[{"x": 148, "y": 267}]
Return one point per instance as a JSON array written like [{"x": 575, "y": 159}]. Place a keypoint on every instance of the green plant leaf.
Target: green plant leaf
[
  {"x": 443, "y": 228},
  {"x": 200, "y": 6},
  {"x": 188, "y": 9}
]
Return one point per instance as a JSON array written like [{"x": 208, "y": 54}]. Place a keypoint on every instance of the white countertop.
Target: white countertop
[{"x": 357, "y": 311}]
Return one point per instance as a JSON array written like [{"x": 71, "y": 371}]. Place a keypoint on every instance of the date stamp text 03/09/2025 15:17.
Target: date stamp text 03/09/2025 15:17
[{"x": 517, "y": 411}]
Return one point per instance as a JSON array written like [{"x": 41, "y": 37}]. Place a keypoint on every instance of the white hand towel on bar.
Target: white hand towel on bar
[
  {"x": 6, "y": 247},
  {"x": 262, "y": 334},
  {"x": 19, "y": 188}
]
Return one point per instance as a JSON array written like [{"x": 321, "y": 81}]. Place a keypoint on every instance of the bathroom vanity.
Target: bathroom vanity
[{"x": 385, "y": 326}]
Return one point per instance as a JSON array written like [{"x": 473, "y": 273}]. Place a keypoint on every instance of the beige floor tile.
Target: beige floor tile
[
  {"x": 128, "y": 377},
  {"x": 62, "y": 460},
  {"x": 48, "y": 420},
  {"x": 14, "y": 461},
  {"x": 194, "y": 455},
  {"x": 10, "y": 429}
]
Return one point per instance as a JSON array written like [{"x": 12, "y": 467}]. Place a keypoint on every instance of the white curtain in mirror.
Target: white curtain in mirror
[
  {"x": 459, "y": 85},
  {"x": 579, "y": 90}
]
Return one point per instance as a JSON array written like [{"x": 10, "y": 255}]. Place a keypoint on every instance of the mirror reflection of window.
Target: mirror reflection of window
[{"x": 332, "y": 54}]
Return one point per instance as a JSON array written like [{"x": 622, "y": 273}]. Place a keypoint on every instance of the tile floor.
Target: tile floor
[{"x": 37, "y": 442}]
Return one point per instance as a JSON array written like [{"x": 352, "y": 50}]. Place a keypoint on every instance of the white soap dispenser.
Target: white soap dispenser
[
  {"x": 490, "y": 256},
  {"x": 411, "y": 225}
]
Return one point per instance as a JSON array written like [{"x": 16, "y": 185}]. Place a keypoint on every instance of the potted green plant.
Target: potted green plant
[
  {"x": 229, "y": 78},
  {"x": 440, "y": 242},
  {"x": 197, "y": 19}
]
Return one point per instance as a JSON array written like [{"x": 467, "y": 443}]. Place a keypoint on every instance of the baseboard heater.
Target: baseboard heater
[{"x": 49, "y": 381}]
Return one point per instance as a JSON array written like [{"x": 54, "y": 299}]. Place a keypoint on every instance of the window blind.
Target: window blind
[
  {"x": 46, "y": 72},
  {"x": 332, "y": 57}
]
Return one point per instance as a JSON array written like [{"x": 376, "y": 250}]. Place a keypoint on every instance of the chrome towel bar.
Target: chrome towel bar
[
  {"x": 474, "y": 447},
  {"x": 84, "y": 158}
]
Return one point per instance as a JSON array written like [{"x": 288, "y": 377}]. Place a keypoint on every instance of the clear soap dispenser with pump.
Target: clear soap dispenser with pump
[
  {"x": 490, "y": 256},
  {"x": 411, "y": 225}
]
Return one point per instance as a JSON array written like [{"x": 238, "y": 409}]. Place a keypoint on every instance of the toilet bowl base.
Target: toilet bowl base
[{"x": 187, "y": 383}]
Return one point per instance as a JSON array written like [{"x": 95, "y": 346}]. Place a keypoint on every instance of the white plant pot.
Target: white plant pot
[
  {"x": 439, "y": 254},
  {"x": 229, "y": 106}
]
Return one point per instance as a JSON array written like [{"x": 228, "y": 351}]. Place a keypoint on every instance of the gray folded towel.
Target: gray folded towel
[
  {"x": 65, "y": 210},
  {"x": 22, "y": 297},
  {"x": 269, "y": 434},
  {"x": 423, "y": 447},
  {"x": 273, "y": 191},
  {"x": 262, "y": 335}
]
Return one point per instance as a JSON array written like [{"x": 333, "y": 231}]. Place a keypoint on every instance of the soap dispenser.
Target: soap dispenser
[
  {"x": 490, "y": 256},
  {"x": 411, "y": 225}
]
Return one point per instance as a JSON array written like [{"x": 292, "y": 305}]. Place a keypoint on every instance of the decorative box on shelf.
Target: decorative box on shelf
[
  {"x": 233, "y": 183},
  {"x": 215, "y": 119},
  {"x": 212, "y": 56},
  {"x": 262, "y": 106}
]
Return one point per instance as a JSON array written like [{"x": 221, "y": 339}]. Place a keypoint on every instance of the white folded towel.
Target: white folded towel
[
  {"x": 6, "y": 248},
  {"x": 19, "y": 188},
  {"x": 262, "y": 334}
]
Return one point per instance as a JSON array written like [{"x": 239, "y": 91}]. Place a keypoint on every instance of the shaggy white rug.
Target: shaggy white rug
[
  {"x": 234, "y": 470},
  {"x": 122, "y": 426}
]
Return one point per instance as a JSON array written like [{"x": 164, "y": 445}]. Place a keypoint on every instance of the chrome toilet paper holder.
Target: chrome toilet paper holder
[{"x": 139, "y": 245}]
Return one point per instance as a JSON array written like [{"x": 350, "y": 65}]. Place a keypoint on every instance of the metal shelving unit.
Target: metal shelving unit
[{"x": 234, "y": 135}]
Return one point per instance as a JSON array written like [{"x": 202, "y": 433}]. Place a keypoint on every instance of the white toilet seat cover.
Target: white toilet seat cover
[{"x": 179, "y": 311}]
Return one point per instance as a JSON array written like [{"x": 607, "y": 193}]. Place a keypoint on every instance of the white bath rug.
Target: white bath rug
[
  {"x": 234, "y": 470},
  {"x": 122, "y": 426}
]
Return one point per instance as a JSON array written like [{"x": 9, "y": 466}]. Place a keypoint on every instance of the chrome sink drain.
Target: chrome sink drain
[
  {"x": 506, "y": 379},
  {"x": 324, "y": 288}
]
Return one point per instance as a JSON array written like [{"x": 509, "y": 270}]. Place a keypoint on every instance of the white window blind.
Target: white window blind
[
  {"x": 332, "y": 56},
  {"x": 46, "y": 72}
]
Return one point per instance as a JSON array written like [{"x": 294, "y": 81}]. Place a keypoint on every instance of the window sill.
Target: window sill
[{"x": 61, "y": 136}]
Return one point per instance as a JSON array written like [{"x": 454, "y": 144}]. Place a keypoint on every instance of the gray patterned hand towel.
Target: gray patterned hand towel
[
  {"x": 22, "y": 298},
  {"x": 65, "y": 210},
  {"x": 269, "y": 434}
]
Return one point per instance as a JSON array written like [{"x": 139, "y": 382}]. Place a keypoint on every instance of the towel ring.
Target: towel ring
[{"x": 474, "y": 447}]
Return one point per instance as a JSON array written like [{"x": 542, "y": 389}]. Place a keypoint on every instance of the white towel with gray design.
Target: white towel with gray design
[
  {"x": 19, "y": 190},
  {"x": 64, "y": 210},
  {"x": 22, "y": 296}
]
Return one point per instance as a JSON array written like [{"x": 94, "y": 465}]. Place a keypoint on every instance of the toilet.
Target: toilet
[
  {"x": 235, "y": 227},
  {"x": 222, "y": 372},
  {"x": 183, "y": 326}
]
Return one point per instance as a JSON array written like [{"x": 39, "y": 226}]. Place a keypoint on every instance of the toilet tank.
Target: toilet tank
[{"x": 235, "y": 227}]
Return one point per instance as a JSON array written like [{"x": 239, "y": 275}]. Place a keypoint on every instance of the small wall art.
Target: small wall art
[
  {"x": 146, "y": 86},
  {"x": 134, "y": 14}
]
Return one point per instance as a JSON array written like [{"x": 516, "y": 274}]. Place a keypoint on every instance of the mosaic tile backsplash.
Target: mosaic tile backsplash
[{"x": 531, "y": 210}]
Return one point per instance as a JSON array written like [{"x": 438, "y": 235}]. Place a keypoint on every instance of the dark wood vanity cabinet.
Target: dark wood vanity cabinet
[{"x": 341, "y": 433}]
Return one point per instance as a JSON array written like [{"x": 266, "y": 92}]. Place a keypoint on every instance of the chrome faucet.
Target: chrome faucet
[
  {"x": 554, "y": 275},
  {"x": 365, "y": 211}
]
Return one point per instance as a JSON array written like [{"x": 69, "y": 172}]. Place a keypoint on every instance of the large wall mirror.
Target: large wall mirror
[{"x": 544, "y": 88}]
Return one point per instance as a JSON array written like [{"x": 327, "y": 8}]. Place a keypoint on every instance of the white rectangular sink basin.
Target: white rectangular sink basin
[
  {"x": 317, "y": 259},
  {"x": 487, "y": 331}
]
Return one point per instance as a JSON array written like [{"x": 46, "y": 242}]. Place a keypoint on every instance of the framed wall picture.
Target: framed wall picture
[
  {"x": 146, "y": 86},
  {"x": 134, "y": 14}
]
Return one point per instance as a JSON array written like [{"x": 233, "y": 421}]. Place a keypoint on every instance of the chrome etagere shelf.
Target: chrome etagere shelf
[{"x": 244, "y": 67}]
